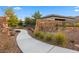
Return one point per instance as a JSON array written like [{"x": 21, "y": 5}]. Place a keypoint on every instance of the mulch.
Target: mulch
[{"x": 8, "y": 44}]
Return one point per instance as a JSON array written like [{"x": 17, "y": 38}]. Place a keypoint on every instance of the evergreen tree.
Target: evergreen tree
[{"x": 37, "y": 15}]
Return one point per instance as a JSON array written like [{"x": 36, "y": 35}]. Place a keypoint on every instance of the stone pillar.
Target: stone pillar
[
  {"x": 4, "y": 25},
  {"x": 37, "y": 26},
  {"x": 4, "y": 32}
]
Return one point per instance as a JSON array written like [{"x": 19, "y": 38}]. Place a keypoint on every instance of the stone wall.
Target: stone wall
[
  {"x": 47, "y": 25},
  {"x": 4, "y": 25},
  {"x": 4, "y": 33}
]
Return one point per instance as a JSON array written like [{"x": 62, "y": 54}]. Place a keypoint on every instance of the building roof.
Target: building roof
[{"x": 53, "y": 15}]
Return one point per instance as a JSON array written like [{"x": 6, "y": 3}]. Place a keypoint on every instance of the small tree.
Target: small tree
[
  {"x": 28, "y": 21},
  {"x": 13, "y": 20},
  {"x": 9, "y": 12},
  {"x": 20, "y": 23}
]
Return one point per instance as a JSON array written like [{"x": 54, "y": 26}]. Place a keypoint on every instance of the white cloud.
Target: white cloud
[
  {"x": 77, "y": 7},
  {"x": 76, "y": 10},
  {"x": 17, "y": 8}
]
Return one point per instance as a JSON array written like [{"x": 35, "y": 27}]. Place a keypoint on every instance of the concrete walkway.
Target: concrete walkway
[{"x": 30, "y": 45}]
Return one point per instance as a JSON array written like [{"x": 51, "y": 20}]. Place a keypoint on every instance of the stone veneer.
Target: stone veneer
[
  {"x": 4, "y": 32},
  {"x": 46, "y": 25},
  {"x": 4, "y": 25}
]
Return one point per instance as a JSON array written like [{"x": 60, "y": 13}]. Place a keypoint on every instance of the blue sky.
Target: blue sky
[{"x": 28, "y": 11}]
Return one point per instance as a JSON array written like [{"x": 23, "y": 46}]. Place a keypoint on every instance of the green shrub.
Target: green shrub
[
  {"x": 76, "y": 24},
  {"x": 60, "y": 39},
  {"x": 39, "y": 34},
  {"x": 68, "y": 24},
  {"x": 48, "y": 37},
  {"x": 36, "y": 34}
]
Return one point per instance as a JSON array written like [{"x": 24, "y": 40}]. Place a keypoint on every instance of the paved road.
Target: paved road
[{"x": 30, "y": 45}]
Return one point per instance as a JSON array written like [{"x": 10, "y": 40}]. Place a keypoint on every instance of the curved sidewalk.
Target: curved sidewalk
[{"x": 30, "y": 45}]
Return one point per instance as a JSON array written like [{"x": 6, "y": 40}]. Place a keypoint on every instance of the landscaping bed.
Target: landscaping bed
[
  {"x": 66, "y": 39},
  {"x": 9, "y": 44}
]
